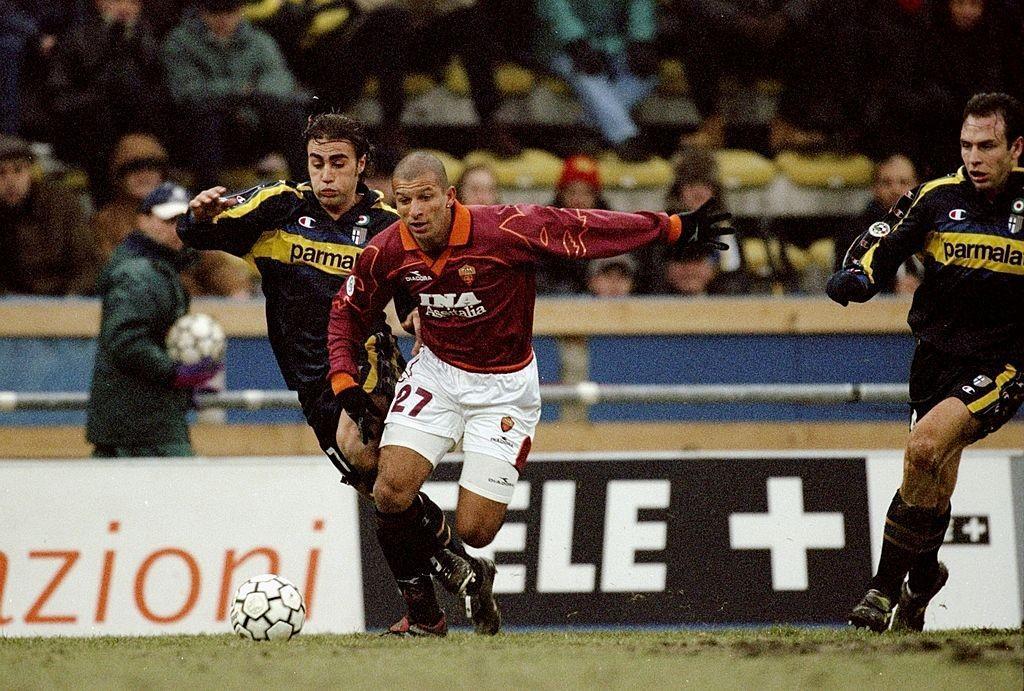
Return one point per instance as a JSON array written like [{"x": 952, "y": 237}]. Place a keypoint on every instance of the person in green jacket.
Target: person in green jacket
[
  {"x": 139, "y": 396},
  {"x": 234, "y": 94}
]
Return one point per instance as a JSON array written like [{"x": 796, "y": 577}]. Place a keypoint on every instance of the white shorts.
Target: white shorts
[{"x": 494, "y": 416}]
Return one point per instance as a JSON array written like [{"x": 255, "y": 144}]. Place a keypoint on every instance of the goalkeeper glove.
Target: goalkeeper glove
[
  {"x": 364, "y": 412},
  {"x": 849, "y": 285},
  {"x": 194, "y": 375},
  {"x": 702, "y": 225}
]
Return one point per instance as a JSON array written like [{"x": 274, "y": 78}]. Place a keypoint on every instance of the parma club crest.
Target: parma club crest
[{"x": 1016, "y": 222}]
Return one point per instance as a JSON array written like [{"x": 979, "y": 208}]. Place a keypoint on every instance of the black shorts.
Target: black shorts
[
  {"x": 380, "y": 367},
  {"x": 979, "y": 383}
]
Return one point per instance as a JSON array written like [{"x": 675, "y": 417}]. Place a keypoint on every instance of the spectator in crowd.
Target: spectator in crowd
[
  {"x": 106, "y": 80},
  {"x": 611, "y": 277},
  {"x": 605, "y": 51},
  {"x": 28, "y": 28},
  {"x": 966, "y": 47},
  {"x": 893, "y": 177},
  {"x": 578, "y": 187},
  {"x": 47, "y": 246},
  {"x": 235, "y": 96},
  {"x": 139, "y": 397},
  {"x": 696, "y": 272},
  {"x": 478, "y": 185},
  {"x": 335, "y": 47},
  {"x": 811, "y": 46},
  {"x": 138, "y": 166}
]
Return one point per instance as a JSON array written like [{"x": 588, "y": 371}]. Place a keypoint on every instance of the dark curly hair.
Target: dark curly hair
[{"x": 335, "y": 127}]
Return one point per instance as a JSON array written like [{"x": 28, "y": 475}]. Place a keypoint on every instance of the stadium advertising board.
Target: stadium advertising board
[
  {"x": 159, "y": 546},
  {"x": 670, "y": 539}
]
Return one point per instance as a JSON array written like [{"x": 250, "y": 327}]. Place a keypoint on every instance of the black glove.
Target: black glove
[
  {"x": 584, "y": 57},
  {"x": 363, "y": 411},
  {"x": 849, "y": 285},
  {"x": 701, "y": 226},
  {"x": 642, "y": 58}
]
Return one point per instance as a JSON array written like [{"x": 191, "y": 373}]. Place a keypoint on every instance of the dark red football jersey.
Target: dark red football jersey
[{"x": 476, "y": 298}]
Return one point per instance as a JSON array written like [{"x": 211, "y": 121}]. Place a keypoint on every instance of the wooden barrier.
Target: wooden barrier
[
  {"x": 297, "y": 439},
  {"x": 570, "y": 317}
]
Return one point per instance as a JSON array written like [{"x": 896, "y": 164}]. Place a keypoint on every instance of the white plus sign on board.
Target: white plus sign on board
[
  {"x": 787, "y": 532},
  {"x": 974, "y": 529}
]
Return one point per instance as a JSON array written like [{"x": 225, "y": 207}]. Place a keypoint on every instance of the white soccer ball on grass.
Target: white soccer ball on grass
[
  {"x": 196, "y": 336},
  {"x": 267, "y": 608}
]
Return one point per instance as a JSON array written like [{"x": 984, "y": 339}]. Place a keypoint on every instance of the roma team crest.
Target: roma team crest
[
  {"x": 507, "y": 423},
  {"x": 467, "y": 273}
]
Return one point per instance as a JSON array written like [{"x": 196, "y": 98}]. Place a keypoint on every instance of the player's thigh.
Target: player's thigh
[{"x": 943, "y": 432}]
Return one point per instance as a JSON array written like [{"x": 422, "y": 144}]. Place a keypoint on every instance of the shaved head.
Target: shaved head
[{"x": 419, "y": 164}]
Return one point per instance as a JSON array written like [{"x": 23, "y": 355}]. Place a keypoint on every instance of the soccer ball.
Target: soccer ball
[
  {"x": 267, "y": 608},
  {"x": 194, "y": 337}
]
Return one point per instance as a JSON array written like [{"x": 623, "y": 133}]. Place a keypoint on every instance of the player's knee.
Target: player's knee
[
  {"x": 476, "y": 532},
  {"x": 392, "y": 494},
  {"x": 922, "y": 452}
]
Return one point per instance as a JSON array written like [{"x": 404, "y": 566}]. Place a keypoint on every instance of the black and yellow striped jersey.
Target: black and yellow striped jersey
[
  {"x": 971, "y": 299},
  {"x": 303, "y": 257}
]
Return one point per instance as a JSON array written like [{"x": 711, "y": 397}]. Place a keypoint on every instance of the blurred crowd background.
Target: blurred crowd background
[{"x": 807, "y": 117}]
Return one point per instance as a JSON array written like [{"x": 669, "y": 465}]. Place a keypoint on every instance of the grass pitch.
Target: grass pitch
[{"x": 781, "y": 658}]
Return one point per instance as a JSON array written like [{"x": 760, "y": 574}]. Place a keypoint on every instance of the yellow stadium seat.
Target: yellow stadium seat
[
  {"x": 514, "y": 80},
  {"x": 672, "y": 78},
  {"x": 532, "y": 168},
  {"x": 456, "y": 79},
  {"x": 739, "y": 168},
  {"x": 654, "y": 172},
  {"x": 825, "y": 170},
  {"x": 417, "y": 84}
]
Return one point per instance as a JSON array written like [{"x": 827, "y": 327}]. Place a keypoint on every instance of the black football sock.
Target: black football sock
[
  {"x": 446, "y": 538},
  {"x": 926, "y": 569},
  {"x": 907, "y": 529},
  {"x": 407, "y": 552}
]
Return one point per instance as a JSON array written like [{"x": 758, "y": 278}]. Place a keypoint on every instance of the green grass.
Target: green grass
[{"x": 781, "y": 658}]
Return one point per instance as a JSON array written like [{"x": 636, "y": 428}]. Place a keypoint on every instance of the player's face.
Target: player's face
[
  {"x": 426, "y": 209},
  {"x": 894, "y": 177},
  {"x": 15, "y": 181},
  {"x": 334, "y": 173},
  {"x": 987, "y": 156}
]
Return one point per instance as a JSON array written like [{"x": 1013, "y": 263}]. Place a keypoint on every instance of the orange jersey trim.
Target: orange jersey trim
[{"x": 458, "y": 237}]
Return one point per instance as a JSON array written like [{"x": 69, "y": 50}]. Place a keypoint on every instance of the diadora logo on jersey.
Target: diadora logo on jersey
[
  {"x": 415, "y": 275},
  {"x": 306, "y": 221},
  {"x": 464, "y": 305},
  {"x": 958, "y": 214}
]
